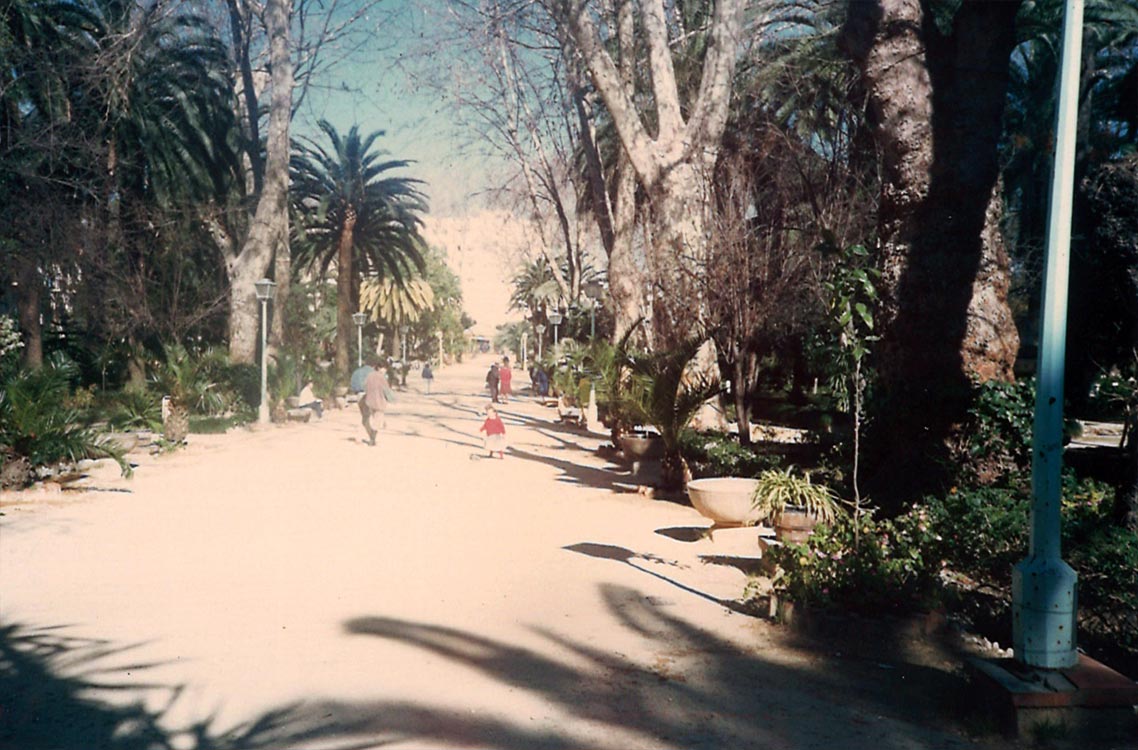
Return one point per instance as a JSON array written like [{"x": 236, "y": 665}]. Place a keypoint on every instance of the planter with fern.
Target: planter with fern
[{"x": 793, "y": 504}]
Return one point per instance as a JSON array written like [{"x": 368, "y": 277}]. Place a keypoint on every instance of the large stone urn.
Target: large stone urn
[{"x": 727, "y": 501}]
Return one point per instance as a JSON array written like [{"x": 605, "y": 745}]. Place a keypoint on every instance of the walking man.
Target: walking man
[{"x": 373, "y": 402}]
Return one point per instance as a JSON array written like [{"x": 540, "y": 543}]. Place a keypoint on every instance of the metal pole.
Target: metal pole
[
  {"x": 359, "y": 346},
  {"x": 1043, "y": 586},
  {"x": 593, "y": 320},
  {"x": 263, "y": 410},
  {"x": 523, "y": 351}
]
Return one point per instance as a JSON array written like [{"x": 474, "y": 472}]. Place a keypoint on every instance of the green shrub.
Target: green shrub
[
  {"x": 244, "y": 382},
  {"x": 718, "y": 454},
  {"x": 195, "y": 380},
  {"x": 985, "y": 530},
  {"x": 864, "y": 565},
  {"x": 132, "y": 409},
  {"x": 36, "y": 422}
]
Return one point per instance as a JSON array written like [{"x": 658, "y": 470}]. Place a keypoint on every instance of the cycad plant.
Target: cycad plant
[
  {"x": 38, "y": 428},
  {"x": 664, "y": 392}
]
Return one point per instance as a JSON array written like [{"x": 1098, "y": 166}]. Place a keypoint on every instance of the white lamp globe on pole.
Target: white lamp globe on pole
[
  {"x": 539, "y": 329},
  {"x": 264, "y": 289}
]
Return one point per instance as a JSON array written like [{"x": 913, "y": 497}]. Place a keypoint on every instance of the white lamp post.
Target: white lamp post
[
  {"x": 524, "y": 336},
  {"x": 403, "y": 340},
  {"x": 540, "y": 329},
  {"x": 555, "y": 319},
  {"x": 264, "y": 289},
  {"x": 359, "y": 319}
]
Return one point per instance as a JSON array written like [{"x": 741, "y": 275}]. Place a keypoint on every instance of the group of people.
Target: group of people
[
  {"x": 375, "y": 394},
  {"x": 499, "y": 380}
]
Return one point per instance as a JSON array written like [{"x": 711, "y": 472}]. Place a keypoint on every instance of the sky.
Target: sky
[{"x": 391, "y": 82}]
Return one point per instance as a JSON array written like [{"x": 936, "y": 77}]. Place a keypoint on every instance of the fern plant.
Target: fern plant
[{"x": 37, "y": 424}]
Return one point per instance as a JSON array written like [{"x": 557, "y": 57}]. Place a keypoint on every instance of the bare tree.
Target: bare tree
[{"x": 673, "y": 147}]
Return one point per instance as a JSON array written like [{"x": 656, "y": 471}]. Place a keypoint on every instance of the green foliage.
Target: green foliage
[
  {"x": 863, "y": 564},
  {"x": 132, "y": 409},
  {"x": 717, "y": 454},
  {"x": 196, "y": 381},
  {"x": 10, "y": 345},
  {"x": 778, "y": 490},
  {"x": 662, "y": 391},
  {"x": 997, "y": 436},
  {"x": 985, "y": 530},
  {"x": 37, "y": 423}
]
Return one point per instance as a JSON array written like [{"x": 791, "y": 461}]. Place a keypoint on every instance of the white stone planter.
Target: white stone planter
[{"x": 725, "y": 500}]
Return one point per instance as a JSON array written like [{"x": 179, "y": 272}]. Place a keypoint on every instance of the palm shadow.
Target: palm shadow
[
  {"x": 55, "y": 694},
  {"x": 695, "y": 690}
]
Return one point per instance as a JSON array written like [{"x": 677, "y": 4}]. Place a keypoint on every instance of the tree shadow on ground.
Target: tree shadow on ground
[
  {"x": 59, "y": 692},
  {"x": 697, "y": 690},
  {"x": 692, "y": 690}
]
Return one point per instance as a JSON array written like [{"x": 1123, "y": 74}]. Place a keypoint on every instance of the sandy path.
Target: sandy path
[{"x": 295, "y": 588}]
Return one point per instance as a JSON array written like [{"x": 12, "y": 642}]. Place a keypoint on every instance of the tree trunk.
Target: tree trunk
[
  {"x": 668, "y": 163},
  {"x": 937, "y": 103},
  {"x": 269, "y": 229},
  {"x": 344, "y": 307},
  {"x": 28, "y": 310},
  {"x": 282, "y": 274}
]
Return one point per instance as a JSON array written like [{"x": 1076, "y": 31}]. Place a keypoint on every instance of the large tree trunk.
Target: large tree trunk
[
  {"x": 344, "y": 306},
  {"x": 937, "y": 103},
  {"x": 28, "y": 309},
  {"x": 269, "y": 229}
]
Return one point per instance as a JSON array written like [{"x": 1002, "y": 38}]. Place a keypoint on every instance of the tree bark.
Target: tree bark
[
  {"x": 268, "y": 232},
  {"x": 671, "y": 165},
  {"x": 937, "y": 102},
  {"x": 344, "y": 273},
  {"x": 28, "y": 295}
]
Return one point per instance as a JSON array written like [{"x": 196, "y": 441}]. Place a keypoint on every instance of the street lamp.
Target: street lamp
[
  {"x": 524, "y": 336},
  {"x": 403, "y": 340},
  {"x": 264, "y": 289},
  {"x": 540, "y": 329},
  {"x": 359, "y": 319},
  {"x": 555, "y": 319}
]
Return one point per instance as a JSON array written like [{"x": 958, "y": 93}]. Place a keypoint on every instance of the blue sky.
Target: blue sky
[{"x": 391, "y": 83}]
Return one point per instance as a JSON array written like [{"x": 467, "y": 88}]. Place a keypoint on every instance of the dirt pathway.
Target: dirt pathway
[{"x": 295, "y": 588}]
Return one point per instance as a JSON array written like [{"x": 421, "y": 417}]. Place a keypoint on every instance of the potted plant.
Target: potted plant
[
  {"x": 794, "y": 504},
  {"x": 662, "y": 392}
]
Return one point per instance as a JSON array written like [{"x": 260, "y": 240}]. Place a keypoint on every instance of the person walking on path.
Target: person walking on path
[
  {"x": 505, "y": 376},
  {"x": 373, "y": 403},
  {"x": 495, "y": 432},
  {"x": 428, "y": 376},
  {"x": 493, "y": 381}
]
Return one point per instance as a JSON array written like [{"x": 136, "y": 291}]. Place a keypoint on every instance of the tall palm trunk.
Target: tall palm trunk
[{"x": 344, "y": 286}]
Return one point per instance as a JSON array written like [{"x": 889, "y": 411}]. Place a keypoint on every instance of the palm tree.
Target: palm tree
[
  {"x": 352, "y": 214},
  {"x": 395, "y": 304}
]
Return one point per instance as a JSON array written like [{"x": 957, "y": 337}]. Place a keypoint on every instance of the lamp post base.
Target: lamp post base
[
  {"x": 1043, "y": 613},
  {"x": 263, "y": 414}
]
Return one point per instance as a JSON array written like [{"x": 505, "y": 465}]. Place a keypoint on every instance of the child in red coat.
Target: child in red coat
[{"x": 495, "y": 432}]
